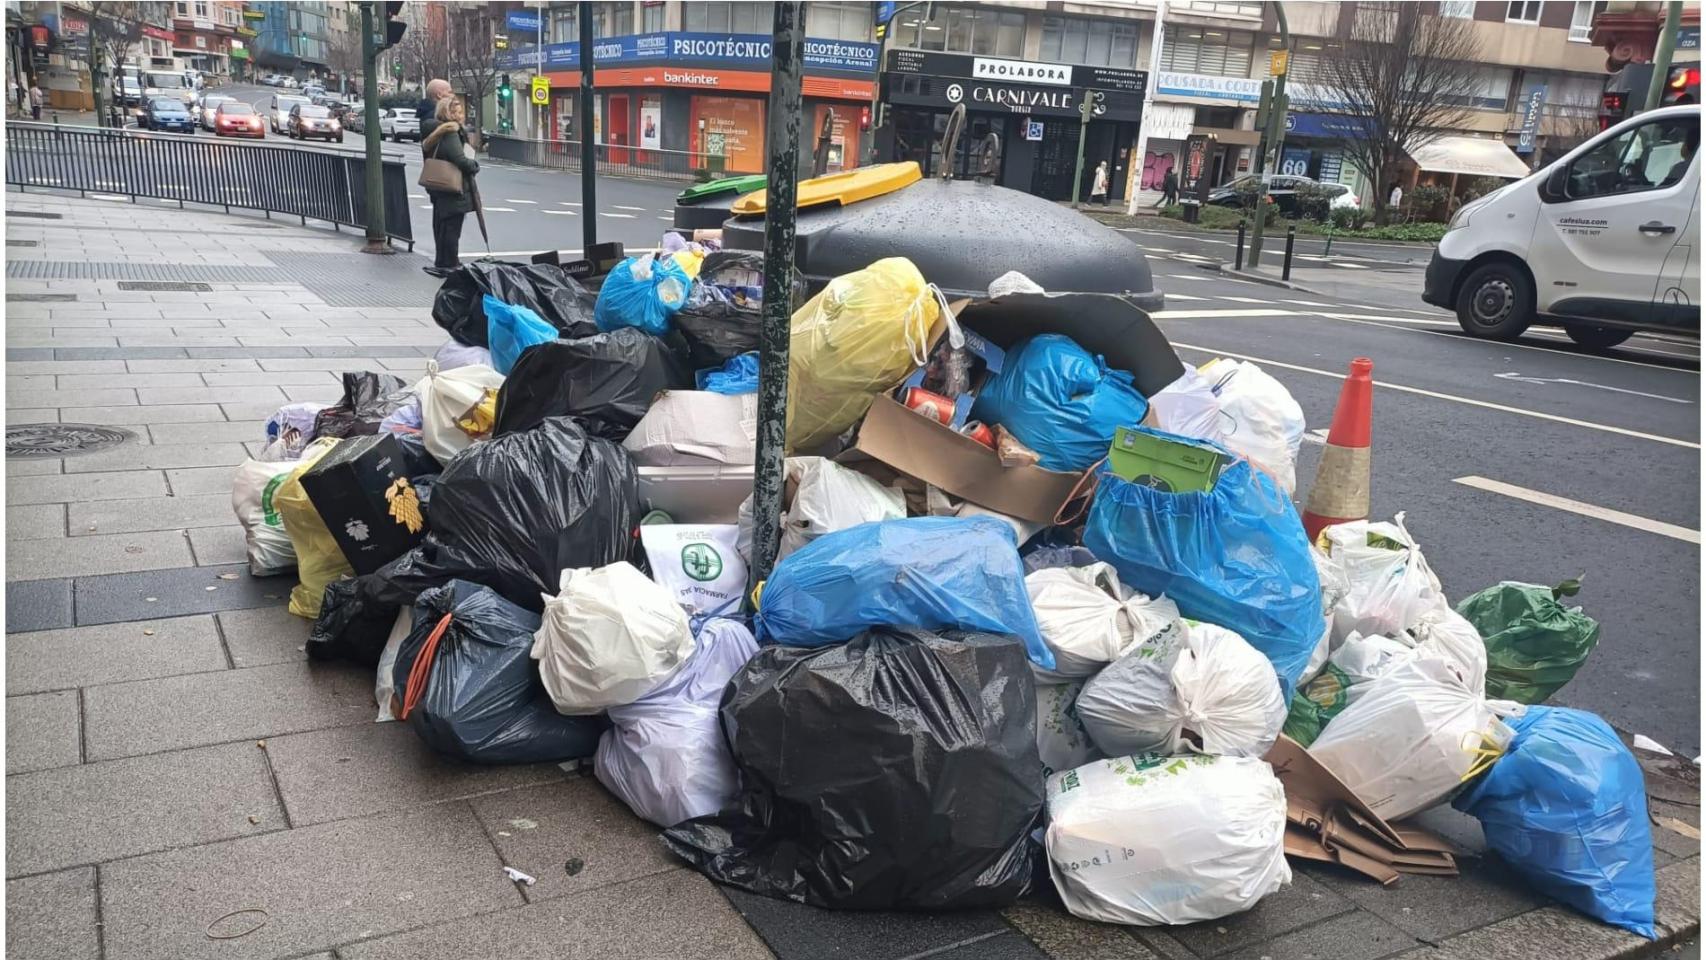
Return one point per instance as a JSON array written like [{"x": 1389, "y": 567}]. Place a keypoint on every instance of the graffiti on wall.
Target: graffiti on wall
[{"x": 1155, "y": 167}]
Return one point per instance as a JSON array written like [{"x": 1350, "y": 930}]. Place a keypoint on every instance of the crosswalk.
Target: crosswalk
[{"x": 1344, "y": 261}]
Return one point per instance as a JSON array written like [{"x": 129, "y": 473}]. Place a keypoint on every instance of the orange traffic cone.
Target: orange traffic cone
[{"x": 1340, "y": 492}]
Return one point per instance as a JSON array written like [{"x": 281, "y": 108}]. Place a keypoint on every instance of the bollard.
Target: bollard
[
  {"x": 1329, "y": 249},
  {"x": 1290, "y": 239},
  {"x": 1238, "y": 259}
]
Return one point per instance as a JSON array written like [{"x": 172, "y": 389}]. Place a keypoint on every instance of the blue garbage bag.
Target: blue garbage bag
[
  {"x": 936, "y": 573},
  {"x": 1566, "y": 807},
  {"x": 641, "y": 292},
  {"x": 512, "y": 329},
  {"x": 1060, "y": 401},
  {"x": 1235, "y": 555},
  {"x": 739, "y": 375}
]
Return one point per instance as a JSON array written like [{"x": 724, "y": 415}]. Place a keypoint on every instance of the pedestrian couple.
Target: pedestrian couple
[{"x": 443, "y": 120}]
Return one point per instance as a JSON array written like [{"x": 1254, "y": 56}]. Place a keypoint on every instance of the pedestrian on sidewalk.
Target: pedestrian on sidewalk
[
  {"x": 1099, "y": 184},
  {"x": 437, "y": 91},
  {"x": 448, "y": 141},
  {"x": 1169, "y": 188},
  {"x": 35, "y": 101}
]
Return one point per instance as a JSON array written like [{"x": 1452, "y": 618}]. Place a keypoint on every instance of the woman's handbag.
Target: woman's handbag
[{"x": 440, "y": 176}]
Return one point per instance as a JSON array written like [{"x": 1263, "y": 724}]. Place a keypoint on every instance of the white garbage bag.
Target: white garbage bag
[
  {"x": 269, "y": 548},
  {"x": 1188, "y": 407},
  {"x": 457, "y": 407},
  {"x": 455, "y": 354},
  {"x": 290, "y": 429},
  {"x": 698, "y": 562},
  {"x": 1089, "y": 619},
  {"x": 664, "y": 754},
  {"x": 1203, "y": 689},
  {"x": 1388, "y": 584},
  {"x": 609, "y": 637},
  {"x": 827, "y": 497},
  {"x": 385, "y": 678},
  {"x": 1062, "y": 741},
  {"x": 1445, "y": 634},
  {"x": 1318, "y": 657},
  {"x": 1166, "y": 840},
  {"x": 1261, "y": 420},
  {"x": 688, "y": 427},
  {"x": 1413, "y": 737}
]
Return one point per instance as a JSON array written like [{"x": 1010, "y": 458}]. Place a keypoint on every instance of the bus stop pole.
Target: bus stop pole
[
  {"x": 783, "y": 136},
  {"x": 589, "y": 150}
]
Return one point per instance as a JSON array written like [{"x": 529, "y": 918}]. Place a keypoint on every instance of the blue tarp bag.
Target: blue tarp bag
[
  {"x": 739, "y": 375},
  {"x": 936, "y": 573},
  {"x": 512, "y": 329},
  {"x": 1235, "y": 556},
  {"x": 1566, "y": 807},
  {"x": 641, "y": 292},
  {"x": 1060, "y": 401}
]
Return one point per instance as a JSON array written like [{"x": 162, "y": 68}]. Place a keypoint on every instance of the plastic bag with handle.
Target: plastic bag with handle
[{"x": 457, "y": 407}]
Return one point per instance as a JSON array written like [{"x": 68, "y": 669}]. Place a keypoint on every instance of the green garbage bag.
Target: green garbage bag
[
  {"x": 1534, "y": 643},
  {"x": 1304, "y": 722}
]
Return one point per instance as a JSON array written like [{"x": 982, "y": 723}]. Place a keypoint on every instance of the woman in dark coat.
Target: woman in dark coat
[{"x": 448, "y": 141}]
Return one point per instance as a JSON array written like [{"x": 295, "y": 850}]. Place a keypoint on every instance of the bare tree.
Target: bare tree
[
  {"x": 114, "y": 29},
  {"x": 1403, "y": 79},
  {"x": 343, "y": 55},
  {"x": 471, "y": 65}
]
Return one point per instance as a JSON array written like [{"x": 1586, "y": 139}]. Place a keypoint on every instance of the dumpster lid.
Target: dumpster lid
[
  {"x": 846, "y": 188},
  {"x": 700, "y": 192}
]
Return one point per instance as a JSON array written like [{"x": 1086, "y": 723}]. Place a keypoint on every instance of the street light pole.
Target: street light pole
[
  {"x": 376, "y": 242},
  {"x": 1273, "y": 138},
  {"x": 1149, "y": 83},
  {"x": 1662, "y": 55}
]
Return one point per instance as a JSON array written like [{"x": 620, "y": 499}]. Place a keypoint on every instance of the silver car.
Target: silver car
[{"x": 209, "y": 106}]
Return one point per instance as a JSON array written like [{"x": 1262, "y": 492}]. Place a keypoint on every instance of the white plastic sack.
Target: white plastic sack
[
  {"x": 1388, "y": 585},
  {"x": 827, "y": 497},
  {"x": 269, "y": 548},
  {"x": 290, "y": 429},
  {"x": 664, "y": 754},
  {"x": 1062, "y": 741},
  {"x": 1262, "y": 420},
  {"x": 1166, "y": 840},
  {"x": 696, "y": 427},
  {"x": 1318, "y": 658},
  {"x": 608, "y": 637},
  {"x": 457, "y": 407},
  {"x": 455, "y": 354},
  {"x": 698, "y": 562},
  {"x": 1203, "y": 689},
  {"x": 1189, "y": 408},
  {"x": 1445, "y": 634},
  {"x": 385, "y": 677},
  {"x": 1412, "y": 738},
  {"x": 1089, "y": 619}
]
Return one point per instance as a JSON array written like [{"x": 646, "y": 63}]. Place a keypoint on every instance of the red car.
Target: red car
[{"x": 238, "y": 119}]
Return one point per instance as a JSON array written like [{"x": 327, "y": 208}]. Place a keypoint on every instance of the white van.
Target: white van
[
  {"x": 278, "y": 110},
  {"x": 1603, "y": 242}
]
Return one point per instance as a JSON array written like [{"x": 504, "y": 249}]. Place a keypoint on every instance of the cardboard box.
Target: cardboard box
[
  {"x": 362, "y": 492},
  {"x": 1164, "y": 463},
  {"x": 986, "y": 360},
  {"x": 696, "y": 494}
]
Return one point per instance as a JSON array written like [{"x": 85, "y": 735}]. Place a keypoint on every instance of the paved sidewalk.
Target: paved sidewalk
[{"x": 178, "y": 771}]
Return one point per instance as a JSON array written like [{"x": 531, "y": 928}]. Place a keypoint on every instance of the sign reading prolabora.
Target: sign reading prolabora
[{"x": 1021, "y": 71}]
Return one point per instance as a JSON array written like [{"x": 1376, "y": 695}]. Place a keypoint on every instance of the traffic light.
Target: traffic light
[
  {"x": 394, "y": 28},
  {"x": 1681, "y": 86},
  {"x": 506, "y": 97}
]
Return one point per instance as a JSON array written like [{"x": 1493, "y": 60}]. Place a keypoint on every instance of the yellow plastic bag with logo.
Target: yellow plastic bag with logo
[
  {"x": 859, "y": 337},
  {"x": 319, "y": 561}
]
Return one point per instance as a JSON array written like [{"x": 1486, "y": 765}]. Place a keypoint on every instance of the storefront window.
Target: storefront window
[
  {"x": 720, "y": 16},
  {"x": 959, "y": 29},
  {"x": 730, "y": 127},
  {"x": 1097, "y": 42},
  {"x": 1219, "y": 53}
]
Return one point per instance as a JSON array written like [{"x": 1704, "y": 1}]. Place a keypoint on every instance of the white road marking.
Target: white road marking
[
  {"x": 417, "y": 196},
  {"x": 1193, "y": 256},
  {"x": 1212, "y": 314},
  {"x": 563, "y": 213},
  {"x": 635, "y": 209},
  {"x": 513, "y": 200},
  {"x": 1453, "y": 331},
  {"x": 1483, "y": 404},
  {"x": 498, "y": 209},
  {"x": 1512, "y": 375},
  {"x": 1584, "y": 509},
  {"x": 1244, "y": 299},
  {"x": 661, "y": 217},
  {"x": 1156, "y": 249},
  {"x": 1379, "y": 318},
  {"x": 426, "y": 206},
  {"x": 1347, "y": 266},
  {"x": 1318, "y": 436},
  {"x": 569, "y": 203},
  {"x": 1183, "y": 296},
  {"x": 1306, "y": 303},
  {"x": 619, "y": 216},
  {"x": 107, "y": 196}
]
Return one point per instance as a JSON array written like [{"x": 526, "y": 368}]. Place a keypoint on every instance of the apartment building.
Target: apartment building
[
  {"x": 293, "y": 36},
  {"x": 204, "y": 33}
]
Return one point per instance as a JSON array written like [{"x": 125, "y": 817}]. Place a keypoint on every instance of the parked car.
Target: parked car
[
  {"x": 313, "y": 91},
  {"x": 234, "y": 118},
  {"x": 289, "y": 83},
  {"x": 279, "y": 110},
  {"x": 1285, "y": 189},
  {"x": 270, "y": 80},
  {"x": 1602, "y": 241},
  {"x": 310, "y": 121},
  {"x": 167, "y": 113},
  {"x": 354, "y": 118},
  {"x": 209, "y": 106},
  {"x": 399, "y": 123}
]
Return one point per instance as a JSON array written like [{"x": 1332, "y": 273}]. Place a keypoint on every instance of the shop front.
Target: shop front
[
  {"x": 1032, "y": 110},
  {"x": 1315, "y": 148}
]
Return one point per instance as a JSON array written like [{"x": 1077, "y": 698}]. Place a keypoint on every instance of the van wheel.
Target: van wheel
[
  {"x": 1496, "y": 302},
  {"x": 1598, "y": 338}
]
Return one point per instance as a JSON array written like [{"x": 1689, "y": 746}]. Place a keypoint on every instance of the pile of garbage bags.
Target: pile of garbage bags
[{"x": 1044, "y": 606}]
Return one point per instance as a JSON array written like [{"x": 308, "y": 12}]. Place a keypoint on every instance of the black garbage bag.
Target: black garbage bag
[
  {"x": 478, "y": 696},
  {"x": 607, "y": 380},
  {"x": 541, "y": 287},
  {"x": 898, "y": 770},
  {"x": 724, "y": 310},
  {"x": 356, "y": 613},
  {"x": 368, "y": 399}
]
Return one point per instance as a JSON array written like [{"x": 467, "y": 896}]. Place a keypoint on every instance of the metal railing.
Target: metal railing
[
  {"x": 614, "y": 159},
  {"x": 297, "y": 181}
]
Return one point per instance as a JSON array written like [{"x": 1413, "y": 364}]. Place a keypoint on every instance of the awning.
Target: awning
[{"x": 1471, "y": 156}]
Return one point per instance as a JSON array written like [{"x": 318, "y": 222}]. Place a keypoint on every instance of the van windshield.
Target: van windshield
[{"x": 166, "y": 81}]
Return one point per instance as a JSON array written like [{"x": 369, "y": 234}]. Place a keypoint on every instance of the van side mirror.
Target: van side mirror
[{"x": 1555, "y": 187}]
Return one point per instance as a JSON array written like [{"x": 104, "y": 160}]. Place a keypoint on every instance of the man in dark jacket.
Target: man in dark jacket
[{"x": 436, "y": 90}]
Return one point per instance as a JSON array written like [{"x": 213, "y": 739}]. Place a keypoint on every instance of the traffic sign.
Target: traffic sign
[
  {"x": 1277, "y": 62},
  {"x": 541, "y": 91}
]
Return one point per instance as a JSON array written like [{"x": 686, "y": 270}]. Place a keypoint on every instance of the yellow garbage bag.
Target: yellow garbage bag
[
  {"x": 862, "y": 335},
  {"x": 318, "y": 559},
  {"x": 690, "y": 261}
]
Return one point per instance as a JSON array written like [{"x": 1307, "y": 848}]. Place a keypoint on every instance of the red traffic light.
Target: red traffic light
[
  {"x": 864, "y": 118},
  {"x": 1681, "y": 78}
]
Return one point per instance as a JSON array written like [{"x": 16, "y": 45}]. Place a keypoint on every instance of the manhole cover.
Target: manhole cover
[
  {"x": 35, "y": 215},
  {"x": 22, "y": 243},
  {"x": 163, "y": 286},
  {"x": 61, "y": 439},
  {"x": 40, "y": 297}
]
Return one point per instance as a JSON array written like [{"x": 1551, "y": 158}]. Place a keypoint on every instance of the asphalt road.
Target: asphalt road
[{"x": 1474, "y": 440}]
